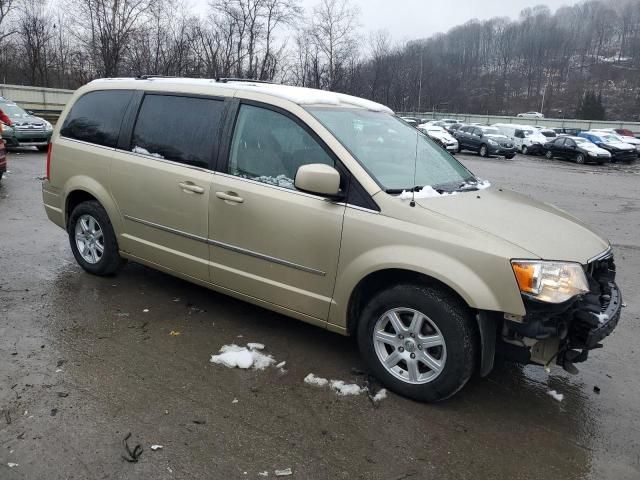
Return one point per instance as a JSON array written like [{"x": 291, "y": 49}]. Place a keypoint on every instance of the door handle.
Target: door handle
[
  {"x": 230, "y": 197},
  {"x": 191, "y": 187}
]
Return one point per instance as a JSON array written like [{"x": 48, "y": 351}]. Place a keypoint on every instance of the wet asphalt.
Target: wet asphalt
[{"x": 82, "y": 365}]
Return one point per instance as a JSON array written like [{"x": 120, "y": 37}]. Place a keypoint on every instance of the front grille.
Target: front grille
[
  {"x": 31, "y": 127},
  {"x": 626, "y": 155}
]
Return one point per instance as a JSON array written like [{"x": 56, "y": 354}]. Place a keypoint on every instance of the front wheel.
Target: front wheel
[
  {"x": 484, "y": 151},
  {"x": 580, "y": 158},
  {"x": 525, "y": 150},
  {"x": 549, "y": 155},
  {"x": 419, "y": 341},
  {"x": 93, "y": 240}
]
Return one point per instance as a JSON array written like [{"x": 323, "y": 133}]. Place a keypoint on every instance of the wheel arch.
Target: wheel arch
[{"x": 82, "y": 188}]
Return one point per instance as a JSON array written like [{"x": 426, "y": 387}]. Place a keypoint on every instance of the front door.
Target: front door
[
  {"x": 162, "y": 183},
  {"x": 269, "y": 240}
]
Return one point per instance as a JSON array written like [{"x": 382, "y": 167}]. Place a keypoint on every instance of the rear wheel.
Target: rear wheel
[
  {"x": 525, "y": 150},
  {"x": 419, "y": 341},
  {"x": 93, "y": 240},
  {"x": 580, "y": 158},
  {"x": 549, "y": 155},
  {"x": 484, "y": 151}
]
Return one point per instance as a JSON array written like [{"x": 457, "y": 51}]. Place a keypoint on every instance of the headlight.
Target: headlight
[
  {"x": 592, "y": 154},
  {"x": 553, "y": 282},
  {"x": 48, "y": 126}
]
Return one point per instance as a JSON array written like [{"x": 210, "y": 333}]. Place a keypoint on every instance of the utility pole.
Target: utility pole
[{"x": 420, "y": 82}]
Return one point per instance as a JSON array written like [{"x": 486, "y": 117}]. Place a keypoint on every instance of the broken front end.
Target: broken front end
[{"x": 564, "y": 333}]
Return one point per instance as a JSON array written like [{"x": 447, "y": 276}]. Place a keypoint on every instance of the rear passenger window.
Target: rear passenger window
[
  {"x": 96, "y": 117},
  {"x": 181, "y": 129},
  {"x": 270, "y": 147}
]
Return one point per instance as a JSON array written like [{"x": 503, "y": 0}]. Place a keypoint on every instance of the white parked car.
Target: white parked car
[
  {"x": 440, "y": 136},
  {"x": 527, "y": 139},
  {"x": 530, "y": 115}
]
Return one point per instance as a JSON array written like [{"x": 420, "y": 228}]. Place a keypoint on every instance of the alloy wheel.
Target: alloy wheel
[
  {"x": 89, "y": 239},
  {"x": 409, "y": 345}
]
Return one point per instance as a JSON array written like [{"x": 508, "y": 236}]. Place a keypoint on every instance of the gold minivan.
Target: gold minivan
[{"x": 329, "y": 209}]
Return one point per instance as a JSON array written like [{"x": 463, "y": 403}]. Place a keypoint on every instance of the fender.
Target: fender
[
  {"x": 99, "y": 192},
  {"x": 492, "y": 289}
]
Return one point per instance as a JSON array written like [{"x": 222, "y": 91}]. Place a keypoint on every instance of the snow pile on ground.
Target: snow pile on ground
[
  {"x": 381, "y": 395},
  {"x": 234, "y": 356},
  {"x": 342, "y": 388},
  {"x": 556, "y": 396},
  {"x": 311, "y": 379}
]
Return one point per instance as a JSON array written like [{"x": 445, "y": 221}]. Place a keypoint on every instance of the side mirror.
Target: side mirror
[{"x": 318, "y": 178}]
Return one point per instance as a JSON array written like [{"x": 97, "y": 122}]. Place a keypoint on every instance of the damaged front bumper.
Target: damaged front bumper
[{"x": 565, "y": 333}]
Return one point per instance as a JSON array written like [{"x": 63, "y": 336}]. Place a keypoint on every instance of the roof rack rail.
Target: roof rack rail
[
  {"x": 146, "y": 77},
  {"x": 234, "y": 79}
]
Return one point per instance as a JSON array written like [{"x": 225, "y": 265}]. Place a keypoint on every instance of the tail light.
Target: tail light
[{"x": 49, "y": 149}]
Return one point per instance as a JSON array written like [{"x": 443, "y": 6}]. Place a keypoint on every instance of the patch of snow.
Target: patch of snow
[
  {"x": 311, "y": 379},
  {"x": 263, "y": 474},
  {"x": 144, "y": 151},
  {"x": 556, "y": 396},
  {"x": 235, "y": 400},
  {"x": 602, "y": 317},
  {"x": 255, "y": 346},
  {"x": 483, "y": 184},
  {"x": 426, "y": 192},
  {"x": 12, "y": 465},
  {"x": 344, "y": 389},
  {"x": 156, "y": 447},
  {"x": 146, "y": 310},
  {"x": 381, "y": 395},
  {"x": 234, "y": 356},
  {"x": 281, "y": 364},
  {"x": 280, "y": 181},
  {"x": 285, "y": 472},
  {"x": 58, "y": 370}
]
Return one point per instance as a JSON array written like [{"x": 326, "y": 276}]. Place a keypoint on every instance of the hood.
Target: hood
[
  {"x": 28, "y": 120},
  {"x": 630, "y": 140},
  {"x": 499, "y": 138},
  {"x": 592, "y": 147},
  {"x": 542, "y": 229},
  {"x": 538, "y": 138},
  {"x": 442, "y": 136},
  {"x": 619, "y": 145}
]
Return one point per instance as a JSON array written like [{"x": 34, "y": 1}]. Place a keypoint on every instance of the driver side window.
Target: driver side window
[{"x": 269, "y": 147}]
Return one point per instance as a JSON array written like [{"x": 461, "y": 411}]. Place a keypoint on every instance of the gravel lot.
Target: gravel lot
[{"x": 82, "y": 364}]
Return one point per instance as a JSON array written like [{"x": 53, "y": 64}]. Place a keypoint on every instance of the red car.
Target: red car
[
  {"x": 624, "y": 132},
  {"x": 3, "y": 158}
]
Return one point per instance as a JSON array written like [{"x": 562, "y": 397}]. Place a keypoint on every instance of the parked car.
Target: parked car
[
  {"x": 440, "y": 136},
  {"x": 611, "y": 132},
  {"x": 485, "y": 140},
  {"x": 530, "y": 115},
  {"x": 620, "y": 151},
  {"x": 547, "y": 132},
  {"x": 624, "y": 132},
  {"x": 27, "y": 130},
  {"x": 449, "y": 120},
  {"x": 411, "y": 121},
  {"x": 451, "y": 128},
  {"x": 577, "y": 149},
  {"x": 527, "y": 140},
  {"x": 567, "y": 131},
  {"x": 329, "y": 209}
]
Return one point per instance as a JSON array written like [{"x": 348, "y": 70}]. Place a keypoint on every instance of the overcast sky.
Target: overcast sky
[{"x": 411, "y": 19}]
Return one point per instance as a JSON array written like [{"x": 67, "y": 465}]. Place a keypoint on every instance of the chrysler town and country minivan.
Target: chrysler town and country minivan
[{"x": 329, "y": 209}]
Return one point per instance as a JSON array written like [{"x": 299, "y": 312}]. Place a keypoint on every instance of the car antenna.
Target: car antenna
[{"x": 412, "y": 203}]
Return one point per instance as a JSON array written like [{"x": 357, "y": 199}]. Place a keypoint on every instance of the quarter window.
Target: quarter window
[
  {"x": 177, "y": 128},
  {"x": 270, "y": 147},
  {"x": 96, "y": 117}
]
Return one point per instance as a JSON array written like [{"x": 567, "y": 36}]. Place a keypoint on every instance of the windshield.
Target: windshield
[
  {"x": 12, "y": 110},
  {"x": 397, "y": 156},
  {"x": 610, "y": 138},
  {"x": 581, "y": 140},
  {"x": 490, "y": 130}
]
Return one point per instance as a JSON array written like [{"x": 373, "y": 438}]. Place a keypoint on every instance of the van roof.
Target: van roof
[{"x": 298, "y": 95}]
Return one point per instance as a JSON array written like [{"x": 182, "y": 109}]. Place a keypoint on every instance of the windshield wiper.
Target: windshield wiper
[{"x": 417, "y": 188}]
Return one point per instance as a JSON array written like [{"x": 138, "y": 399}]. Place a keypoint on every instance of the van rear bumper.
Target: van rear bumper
[{"x": 52, "y": 201}]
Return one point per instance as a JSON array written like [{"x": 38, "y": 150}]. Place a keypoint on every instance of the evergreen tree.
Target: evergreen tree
[{"x": 590, "y": 106}]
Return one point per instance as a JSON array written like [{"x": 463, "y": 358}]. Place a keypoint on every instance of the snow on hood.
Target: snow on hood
[{"x": 429, "y": 192}]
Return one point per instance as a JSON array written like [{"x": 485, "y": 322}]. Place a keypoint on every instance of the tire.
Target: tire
[
  {"x": 509, "y": 157},
  {"x": 459, "y": 148},
  {"x": 549, "y": 155},
  {"x": 525, "y": 150},
  {"x": 92, "y": 231},
  {"x": 443, "y": 316},
  {"x": 580, "y": 159},
  {"x": 483, "y": 151},
  {"x": 43, "y": 148}
]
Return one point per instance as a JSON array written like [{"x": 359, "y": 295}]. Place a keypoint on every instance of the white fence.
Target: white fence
[{"x": 545, "y": 122}]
